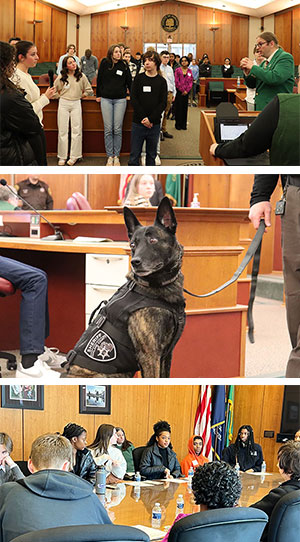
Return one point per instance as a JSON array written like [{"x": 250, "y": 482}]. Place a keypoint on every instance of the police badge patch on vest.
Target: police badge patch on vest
[{"x": 101, "y": 347}]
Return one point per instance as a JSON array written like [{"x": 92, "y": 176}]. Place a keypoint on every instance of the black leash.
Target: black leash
[{"x": 252, "y": 252}]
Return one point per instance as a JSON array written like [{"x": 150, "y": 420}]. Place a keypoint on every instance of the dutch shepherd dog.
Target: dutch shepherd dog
[{"x": 139, "y": 326}]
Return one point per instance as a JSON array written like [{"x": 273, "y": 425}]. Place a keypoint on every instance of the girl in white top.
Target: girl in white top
[
  {"x": 141, "y": 189},
  {"x": 71, "y": 85},
  {"x": 104, "y": 452},
  {"x": 27, "y": 57}
]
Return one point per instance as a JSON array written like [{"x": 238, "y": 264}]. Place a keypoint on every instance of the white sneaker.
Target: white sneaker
[
  {"x": 40, "y": 369},
  {"x": 110, "y": 161},
  {"x": 143, "y": 160},
  {"x": 61, "y": 162},
  {"x": 51, "y": 357},
  {"x": 116, "y": 161},
  {"x": 157, "y": 160}
]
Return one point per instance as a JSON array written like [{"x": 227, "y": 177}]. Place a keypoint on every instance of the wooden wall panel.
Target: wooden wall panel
[
  {"x": 62, "y": 186},
  {"x": 188, "y": 24},
  {"x": 103, "y": 190},
  {"x": 115, "y": 21},
  {"x": 59, "y": 30},
  {"x": 239, "y": 38},
  {"x": 270, "y": 421},
  {"x": 99, "y": 34},
  {"x": 283, "y": 29},
  {"x": 11, "y": 423},
  {"x": 166, "y": 8},
  {"x": 24, "y": 13},
  {"x": 7, "y": 22},
  {"x": 223, "y": 37},
  {"x": 204, "y": 35},
  {"x": 134, "y": 35},
  {"x": 43, "y": 31},
  {"x": 152, "y": 32},
  {"x": 296, "y": 34}
]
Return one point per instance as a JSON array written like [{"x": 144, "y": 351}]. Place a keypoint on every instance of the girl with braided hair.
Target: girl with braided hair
[
  {"x": 158, "y": 459},
  {"x": 83, "y": 462},
  {"x": 247, "y": 453}
]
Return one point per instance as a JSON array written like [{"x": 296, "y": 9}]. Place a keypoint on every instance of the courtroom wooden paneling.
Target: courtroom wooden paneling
[
  {"x": 152, "y": 31},
  {"x": 296, "y": 34},
  {"x": 59, "y": 30},
  {"x": 99, "y": 34},
  {"x": 188, "y": 24},
  {"x": 24, "y": 15},
  {"x": 43, "y": 31},
  {"x": 7, "y": 14},
  {"x": 11, "y": 423},
  {"x": 270, "y": 421},
  {"x": 134, "y": 34},
  {"x": 62, "y": 186},
  {"x": 239, "y": 38},
  {"x": 103, "y": 190},
  {"x": 115, "y": 33},
  {"x": 204, "y": 35},
  {"x": 283, "y": 29},
  {"x": 223, "y": 37},
  {"x": 165, "y": 9}
]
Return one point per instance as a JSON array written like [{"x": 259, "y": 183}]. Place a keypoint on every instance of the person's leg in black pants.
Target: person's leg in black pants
[
  {"x": 138, "y": 135},
  {"x": 151, "y": 144}
]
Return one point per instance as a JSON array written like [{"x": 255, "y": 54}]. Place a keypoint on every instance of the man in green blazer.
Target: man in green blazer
[{"x": 274, "y": 75}]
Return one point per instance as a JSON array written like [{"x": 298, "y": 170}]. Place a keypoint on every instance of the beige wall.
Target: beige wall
[
  {"x": 269, "y": 23},
  {"x": 84, "y": 34},
  {"x": 71, "y": 28},
  {"x": 254, "y": 30}
]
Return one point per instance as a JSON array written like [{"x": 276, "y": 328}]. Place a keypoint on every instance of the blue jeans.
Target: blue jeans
[
  {"x": 139, "y": 134},
  {"x": 113, "y": 112},
  {"x": 34, "y": 317}
]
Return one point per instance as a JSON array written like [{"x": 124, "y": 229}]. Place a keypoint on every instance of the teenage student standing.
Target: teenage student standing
[
  {"x": 71, "y": 85},
  {"x": 113, "y": 84},
  {"x": 184, "y": 83},
  {"x": 149, "y": 100}
]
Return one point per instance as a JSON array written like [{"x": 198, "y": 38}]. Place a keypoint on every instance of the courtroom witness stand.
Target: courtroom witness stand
[
  {"x": 71, "y": 86},
  {"x": 113, "y": 85},
  {"x": 71, "y": 50},
  {"x": 195, "y": 457},
  {"x": 51, "y": 496},
  {"x": 105, "y": 453},
  {"x": 82, "y": 464},
  {"x": 9, "y": 470},
  {"x": 184, "y": 83},
  {"x": 141, "y": 190},
  {"x": 21, "y": 137},
  {"x": 244, "y": 452},
  {"x": 125, "y": 446},
  {"x": 27, "y": 57},
  {"x": 289, "y": 467},
  {"x": 158, "y": 459}
]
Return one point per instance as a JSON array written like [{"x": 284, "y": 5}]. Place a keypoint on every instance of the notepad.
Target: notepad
[
  {"x": 154, "y": 534},
  {"x": 81, "y": 239}
]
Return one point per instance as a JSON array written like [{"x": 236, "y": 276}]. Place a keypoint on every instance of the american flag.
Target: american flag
[
  {"x": 124, "y": 180},
  {"x": 202, "y": 420}
]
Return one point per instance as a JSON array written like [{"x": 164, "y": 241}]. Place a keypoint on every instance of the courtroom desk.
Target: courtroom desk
[
  {"x": 207, "y": 135},
  {"x": 92, "y": 127},
  {"x": 213, "y": 334},
  {"x": 131, "y": 507},
  {"x": 228, "y": 82}
]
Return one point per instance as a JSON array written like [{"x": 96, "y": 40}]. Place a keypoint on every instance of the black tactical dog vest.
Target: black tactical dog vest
[{"x": 105, "y": 346}]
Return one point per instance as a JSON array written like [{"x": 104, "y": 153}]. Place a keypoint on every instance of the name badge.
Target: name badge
[
  {"x": 119, "y": 72},
  {"x": 195, "y": 463},
  {"x": 146, "y": 89},
  {"x": 189, "y": 74}
]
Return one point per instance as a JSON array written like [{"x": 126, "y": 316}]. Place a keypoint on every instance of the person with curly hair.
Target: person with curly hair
[
  {"x": 21, "y": 135},
  {"x": 105, "y": 453},
  {"x": 83, "y": 462},
  {"x": 289, "y": 467},
  {"x": 195, "y": 457},
  {"x": 125, "y": 446},
  {"x": 159, "y": 459},
  {"x": 71, "y": 85},
  {"x": 215, "y": 485},
  {"x": 244, "y": 452}
]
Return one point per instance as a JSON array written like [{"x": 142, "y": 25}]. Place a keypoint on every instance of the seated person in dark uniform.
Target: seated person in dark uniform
[
  {"x": 289, "y": 467},
  {"x": 158, "y": 459},
  {"x": 36, "y": 192},
  {"x": 205, "y": 68},
  {"x": 244, "y": 451}
]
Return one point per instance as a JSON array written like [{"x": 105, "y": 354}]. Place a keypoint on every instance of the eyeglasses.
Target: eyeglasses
[{"x": 261, "y": 43}]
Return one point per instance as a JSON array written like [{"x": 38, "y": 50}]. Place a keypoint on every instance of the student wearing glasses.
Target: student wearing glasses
[{"x": 274, "y": 75}]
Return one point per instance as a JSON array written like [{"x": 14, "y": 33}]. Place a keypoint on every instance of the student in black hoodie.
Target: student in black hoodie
[
  {"x": 244, "y": 451},
  {"x": 113, "y": 84},
  {"x": 149, "y": 100}
]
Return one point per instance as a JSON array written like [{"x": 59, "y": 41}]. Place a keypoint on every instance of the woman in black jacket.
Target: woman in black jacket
[
  {"x": 158, "y": 459},
  {"x": 83, "y": 462},
  {"x": 113, "y": 83},
  {"x": 20, "y": 129},
  {"x": 227, "y": 69}
]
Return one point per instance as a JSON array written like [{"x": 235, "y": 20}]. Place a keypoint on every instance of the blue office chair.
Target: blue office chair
[
  {"x": 137, "y": 456},
  {"x": 85, "y": 533},
  {"x": 285, "y": 519},
  {"x": 221, "y": 525}
]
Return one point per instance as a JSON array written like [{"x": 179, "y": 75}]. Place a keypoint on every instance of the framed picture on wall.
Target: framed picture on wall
[
  {"x": 94, "y": 399},
  {"x": 24, "y": 396}
]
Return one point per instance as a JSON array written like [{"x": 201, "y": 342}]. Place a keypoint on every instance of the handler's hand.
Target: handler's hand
[
  {"x": 213, "y": 148},
  {"x": 259, "y": 210}
]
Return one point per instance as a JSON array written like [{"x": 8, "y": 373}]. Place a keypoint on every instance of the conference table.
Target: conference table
[{"x": 132, "y": 505}]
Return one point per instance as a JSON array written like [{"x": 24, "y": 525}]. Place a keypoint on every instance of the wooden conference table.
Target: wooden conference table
[{"x": 130, "y": 505}]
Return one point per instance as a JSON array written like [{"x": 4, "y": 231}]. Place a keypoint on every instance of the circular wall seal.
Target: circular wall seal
[{"x": 170, "y": 23}]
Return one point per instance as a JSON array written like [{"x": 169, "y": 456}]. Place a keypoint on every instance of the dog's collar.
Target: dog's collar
[{"x": 147, "y": 283}]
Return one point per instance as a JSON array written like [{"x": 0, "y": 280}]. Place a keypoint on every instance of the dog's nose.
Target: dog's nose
[{"x": 136, "y": 262}]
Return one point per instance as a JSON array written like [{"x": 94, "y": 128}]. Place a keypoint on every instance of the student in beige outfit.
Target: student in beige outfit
[{"x": 71, "y": 86}]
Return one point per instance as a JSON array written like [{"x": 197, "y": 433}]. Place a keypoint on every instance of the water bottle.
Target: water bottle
[
  {"x": 263, "y": 467},
  {"x": 179, "y": 505},
  {"x": 156, "y": 516},
  {"x": 238, "y": 81},
  {"x": 137, "y": 493},
  {"x": 190, "y": 476},
  {"x": 101, "y": 481},
  {"x": 138, "y": 477},
  {"x": 237, "y": 468}
]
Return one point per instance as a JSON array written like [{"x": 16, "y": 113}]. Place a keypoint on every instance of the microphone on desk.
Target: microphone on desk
[
  {"x": 58, "y": 236},
  {"x": 51, "y": 77}
]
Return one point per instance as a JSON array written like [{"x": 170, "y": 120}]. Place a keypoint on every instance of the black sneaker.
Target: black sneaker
[{"x": 167, "y": 135}]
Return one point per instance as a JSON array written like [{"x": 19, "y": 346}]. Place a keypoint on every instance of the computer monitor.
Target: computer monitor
[{"x": 229, "y": 129}]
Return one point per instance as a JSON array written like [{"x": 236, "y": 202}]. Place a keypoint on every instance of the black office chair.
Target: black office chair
[
  {"x": 6, "y": 289},
  {"x": 221, "y": 525},
  {"x": 137, "y": 456},
  {"x": 24, "y": 467},
  {"x": 85, "y": 533},
  {"x": 285, "y": 519}
]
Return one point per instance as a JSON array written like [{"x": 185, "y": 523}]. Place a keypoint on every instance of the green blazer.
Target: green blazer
[{"x": 277, "y": 77}]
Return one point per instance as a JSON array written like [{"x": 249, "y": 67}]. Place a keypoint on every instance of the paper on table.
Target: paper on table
[
  {"x": 154, "y": 534},
  {"x": 146, "y": 483},
  {"x": 260, "y": 473}
]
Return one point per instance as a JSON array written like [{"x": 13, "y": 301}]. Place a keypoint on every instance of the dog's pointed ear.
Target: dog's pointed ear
[
  {"x": 165, "y": 216},
  {"x": 131, "y": 221}
]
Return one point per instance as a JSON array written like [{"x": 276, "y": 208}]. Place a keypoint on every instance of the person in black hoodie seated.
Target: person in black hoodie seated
[
  {"x": 158, "y": 459},
  {"x": 83, "y": 462},
  {"x": 205, "y": 68},
  {"x": 21, "y": 132},
  {"x": 244, "y": 451},
  {"x": 227, "y": 68},
  {"x": 289, "y": 467},
  {"x": 51, "y": 496}
]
